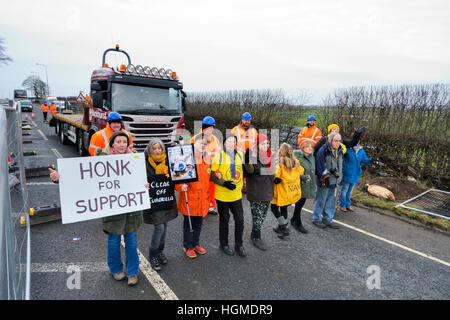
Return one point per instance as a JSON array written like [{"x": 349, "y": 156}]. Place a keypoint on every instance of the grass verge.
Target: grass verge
[{"x": 373, "y": 202}]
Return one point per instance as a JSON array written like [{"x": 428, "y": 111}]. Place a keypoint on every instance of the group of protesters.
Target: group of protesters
[{"x": 245, "y": 162}]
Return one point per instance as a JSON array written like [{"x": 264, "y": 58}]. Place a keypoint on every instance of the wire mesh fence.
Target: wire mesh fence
[
  {"x": 434, "y": 202},
  {"x": 14, "y": 219}
]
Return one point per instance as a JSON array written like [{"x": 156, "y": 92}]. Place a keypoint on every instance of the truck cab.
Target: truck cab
[{"x": 150, "y": 100}]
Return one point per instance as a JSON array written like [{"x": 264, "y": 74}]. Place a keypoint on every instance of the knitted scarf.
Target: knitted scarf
[{"x": 159, "y": 164}]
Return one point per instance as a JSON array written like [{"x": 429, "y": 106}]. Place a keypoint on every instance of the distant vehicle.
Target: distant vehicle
[
  {"x": 20, "y": 94},
  {"x": 50, "y": 100},
  {"x": 4, "y": 103},
  {"x": 60, "y": 105},
  {"x": 26, "y": 105}
]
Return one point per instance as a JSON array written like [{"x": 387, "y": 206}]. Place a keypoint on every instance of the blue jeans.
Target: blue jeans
[
  {"x": 192, "y": 239},
  {"x": 158, "y": 238},
  {"x": 346, "y": 194},
  {"x": 324, "y": 204},
  {"x": 114, "y": 257}
]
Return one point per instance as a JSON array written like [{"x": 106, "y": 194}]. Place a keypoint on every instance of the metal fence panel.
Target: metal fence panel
[
  {"x": 14, "y": 236},
  {"x": 433, "y": 202}
]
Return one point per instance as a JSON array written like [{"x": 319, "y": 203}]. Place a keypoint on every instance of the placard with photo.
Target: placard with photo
[{"x": 182, "y": 165}]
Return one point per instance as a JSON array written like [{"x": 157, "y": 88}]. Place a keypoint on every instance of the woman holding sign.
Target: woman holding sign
[
  {"x": 162, "y": 197},
  {"x": 228, "y": 165},
  {"x": 198, "y": 199},
  {"x": 121, "y": 224},
  {"x": 287, "y": 187}
]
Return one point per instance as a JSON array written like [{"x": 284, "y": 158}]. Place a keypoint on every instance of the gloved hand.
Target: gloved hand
[
  {"x": 361, "y": 130},
  {"x": 229, "y": 185},
  {"x": 305, "y": 177},
  {"x": 325, "y": 180},
  {"x": 277, "y": 180}
]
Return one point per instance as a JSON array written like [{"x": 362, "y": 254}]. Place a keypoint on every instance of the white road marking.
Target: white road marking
[
  {"x": 42, "y": 134},
  {"x": 41, "y": 183},
  {"x": 428, "y": 256},
  {"x": 62, "y": 266},
  {"x": 56, "y": 152},
  {"x": 154, "y": 278}
]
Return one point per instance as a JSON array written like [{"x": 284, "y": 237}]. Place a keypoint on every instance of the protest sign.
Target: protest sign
[
  {"x": 162, "y": 194},
  {"x": 102, "y": 186},
  {"x": 182, "y": 163}
]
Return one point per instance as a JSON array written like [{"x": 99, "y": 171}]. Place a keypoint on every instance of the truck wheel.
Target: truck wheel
[
  {"x": 80, "y": 149},
  {"x": 57, "y": 128},
  {"x": 62, "y": 136}
]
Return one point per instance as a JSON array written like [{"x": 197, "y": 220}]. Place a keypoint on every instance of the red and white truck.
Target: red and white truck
[{"x": 151, "y": 102}]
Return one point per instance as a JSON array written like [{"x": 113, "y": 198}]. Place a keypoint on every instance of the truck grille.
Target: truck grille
[{"x": 143, "y": 132}]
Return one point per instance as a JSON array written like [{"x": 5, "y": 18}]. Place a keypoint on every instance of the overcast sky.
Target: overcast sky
[{"x": 295, "y": 45}]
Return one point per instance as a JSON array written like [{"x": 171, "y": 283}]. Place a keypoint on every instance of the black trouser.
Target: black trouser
[
  {"x": 236, "y": 209},
  {"x": 278, "y": 213},
  {"x": 298, "y": 209},
  {"x": 45, "y": 115},
  {"x": 192, "y": 239}
]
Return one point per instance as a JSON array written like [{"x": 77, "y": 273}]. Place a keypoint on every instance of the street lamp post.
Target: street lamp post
[{"x": 46, "y": 76}]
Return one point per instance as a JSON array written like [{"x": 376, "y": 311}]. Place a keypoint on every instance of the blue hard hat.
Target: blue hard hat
[
  {"x": 45, "y": 101},
  {"x": 311, "y": 117},
  {"x": 114, "y": 116},
  {"x": 208, "y": 120},
  {"x": 246, "y": 116}
]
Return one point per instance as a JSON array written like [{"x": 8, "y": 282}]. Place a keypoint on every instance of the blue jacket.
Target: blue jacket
[{"x": 352, "y": 165}]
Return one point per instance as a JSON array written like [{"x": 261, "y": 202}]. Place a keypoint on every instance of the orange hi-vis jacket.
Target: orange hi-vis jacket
[
  {"x": 44, "y": 107},
  {"x": 246, "y": 138},
  {"x": 197, "y": 192},
  {"x": 214, "y": 146},
  {"x": 100, "y": 139},
  {"x": 312, "y": 134},
  {"x": 53, "y": 109}
]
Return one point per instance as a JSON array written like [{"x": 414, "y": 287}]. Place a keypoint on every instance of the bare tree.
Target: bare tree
[
  {"x": 36, "y": 85},
  {"x": 4, "y": 59}
]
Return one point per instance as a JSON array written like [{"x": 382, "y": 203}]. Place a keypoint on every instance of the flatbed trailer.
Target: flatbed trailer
[{"x": 70, "y": 128}]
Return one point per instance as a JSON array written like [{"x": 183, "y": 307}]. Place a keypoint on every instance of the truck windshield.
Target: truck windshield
[{"x": 131, "y": 99}]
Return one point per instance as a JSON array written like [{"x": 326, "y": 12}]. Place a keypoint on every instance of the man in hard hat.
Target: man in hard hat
[
  {"x": 213, "y": 147},
  {"x": 53, "y": 109},
  {"x": 100, "y": 139},
  {"x": 245, "y": 133},
  {"x": 44, "y": 109},
  {"x": 246, "y": 137},
  {"x": 310, "y": 132}
]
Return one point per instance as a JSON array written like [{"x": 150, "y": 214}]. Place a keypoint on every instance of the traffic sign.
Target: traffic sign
[{"x": 81, "y": 98}]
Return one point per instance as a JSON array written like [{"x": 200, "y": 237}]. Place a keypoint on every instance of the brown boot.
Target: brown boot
[
  {"x": 133, "y": 280},
  {"x": 119, "y": 276}
]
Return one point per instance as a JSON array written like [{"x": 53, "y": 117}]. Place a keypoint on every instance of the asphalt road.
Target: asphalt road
[{"x": 413, "y": 262}]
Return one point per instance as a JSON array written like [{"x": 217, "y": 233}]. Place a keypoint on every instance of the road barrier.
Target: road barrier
[{"x": 15, "y": 251}]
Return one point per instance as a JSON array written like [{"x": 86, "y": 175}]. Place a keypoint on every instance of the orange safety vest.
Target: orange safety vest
[
  {"x": 312, "y": 134},
  {"x": 100, "y": 139},
  {"x": 197, "y": 192},
  {"x": 44, "y": 107},
  {"x": 246, "y": 138},
  {"x": 213, "y": 147},
  {"x": 53, "y": 109}
]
